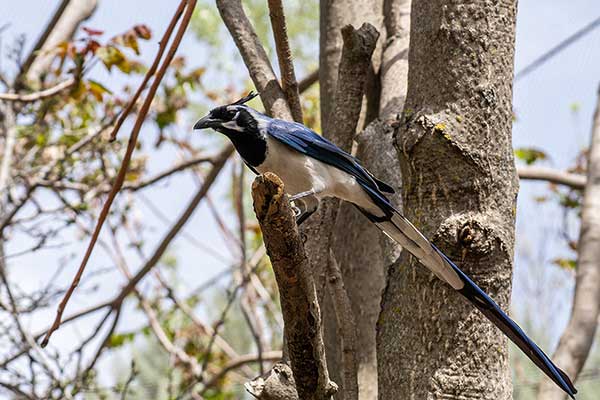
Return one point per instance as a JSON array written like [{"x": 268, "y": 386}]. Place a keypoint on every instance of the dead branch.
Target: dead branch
[
  {"x": 298, "y": 295},
  {"x": 190, "y": 4},
  {"x": 255, "y": 58},
  {"x": 574, "y": 181},
  {"x": 576, "y": 341},
  {"x": 284, "y": 56}
]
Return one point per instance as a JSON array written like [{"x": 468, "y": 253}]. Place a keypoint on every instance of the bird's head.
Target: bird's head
[{"x": 231, "y": 119}]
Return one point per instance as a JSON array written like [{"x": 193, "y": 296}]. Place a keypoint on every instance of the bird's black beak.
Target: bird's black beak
[{"x": 206, "y": 122}]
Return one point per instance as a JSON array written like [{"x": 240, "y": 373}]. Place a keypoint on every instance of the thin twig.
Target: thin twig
[{"x": 161, "y": 49}]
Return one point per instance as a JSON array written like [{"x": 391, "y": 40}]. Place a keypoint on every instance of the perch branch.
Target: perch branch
[{"x": 293, "y": 274}]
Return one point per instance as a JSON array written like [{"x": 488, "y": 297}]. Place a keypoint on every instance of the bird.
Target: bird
[{"x": 313, "y": 168}]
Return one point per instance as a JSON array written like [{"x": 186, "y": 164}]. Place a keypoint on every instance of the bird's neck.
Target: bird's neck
[{"x": 251, "y": 147}]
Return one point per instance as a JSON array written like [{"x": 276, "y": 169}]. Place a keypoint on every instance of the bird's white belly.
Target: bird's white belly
[{"x": 300, "y": 173}]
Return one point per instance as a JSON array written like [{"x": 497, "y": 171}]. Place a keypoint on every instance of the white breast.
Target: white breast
[{"x": 300, "y": 173}]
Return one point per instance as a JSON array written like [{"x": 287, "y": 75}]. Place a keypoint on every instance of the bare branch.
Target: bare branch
[
  {"x": 187, "y": 213},
  {"x": 165, "y": 174},
  {"x": 255, "y": 58},
  {"x": 239, "y": 362},
  {"x": 346, "y": 327},
  {"x": 284, "y": 56},
  {"x": 575, "y": 181},
  {"x": 151, "y": 71},
  {"x": 576, "y": 341},
  {"x": 10, "y": 135},
  {"x": 557, "y": 49},
  {"x": 308, "y": 81},
  {"x": 298, "y": 295},
  {"x": 42, "y": 94}
]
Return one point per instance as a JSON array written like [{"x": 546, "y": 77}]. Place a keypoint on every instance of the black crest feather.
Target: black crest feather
[{"x": 245, "y": 99}]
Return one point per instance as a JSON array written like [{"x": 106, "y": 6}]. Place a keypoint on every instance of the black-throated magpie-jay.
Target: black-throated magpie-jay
[{"x": 312, "y": 168}]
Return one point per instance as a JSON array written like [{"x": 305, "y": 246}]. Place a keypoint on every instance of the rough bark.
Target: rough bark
[
  {"x": 459, "y": 188},
  {"x": 61, "y": 29},
  {"x": 576, "y": 341},
  {"x": 297, "y": 291}
]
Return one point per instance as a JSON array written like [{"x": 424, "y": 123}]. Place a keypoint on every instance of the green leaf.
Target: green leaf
[
  {"x": 565, "y": 263},
  {"x": 530, "y": 155},
  {"x": 97, "y": 89},
  {"x": 110, "y": 55},
  {"x": 119, "y": 339},
  {"x": 166, "y": 118}
]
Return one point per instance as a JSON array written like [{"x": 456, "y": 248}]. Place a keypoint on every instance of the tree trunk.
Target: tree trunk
[{"x": 459, "y": 188}]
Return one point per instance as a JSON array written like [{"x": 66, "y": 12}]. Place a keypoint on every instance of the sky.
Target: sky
[{"x": 544, "y": 103}]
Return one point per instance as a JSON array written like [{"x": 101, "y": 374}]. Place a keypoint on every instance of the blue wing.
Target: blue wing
[{"x": 308, "y": 142}]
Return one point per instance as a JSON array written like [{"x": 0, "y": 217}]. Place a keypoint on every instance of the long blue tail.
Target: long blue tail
[{"x": 397, "y": 227}]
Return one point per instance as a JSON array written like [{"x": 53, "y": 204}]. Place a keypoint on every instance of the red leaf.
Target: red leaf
[
  {"x": 92, "y": 32},
  {"x": 143, "y": 31}
]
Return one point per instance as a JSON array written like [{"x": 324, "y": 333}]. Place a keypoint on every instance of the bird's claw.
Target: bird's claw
[{"x": 296, "y": 210}]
